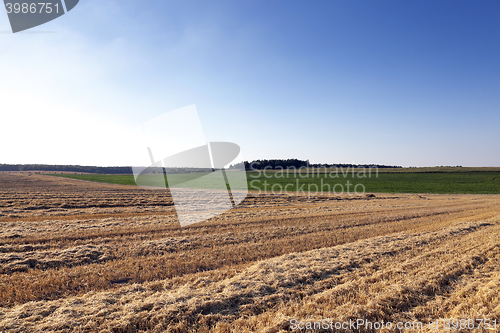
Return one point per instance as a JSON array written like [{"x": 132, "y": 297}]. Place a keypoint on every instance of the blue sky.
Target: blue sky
[{"x": 412, "y": 83}]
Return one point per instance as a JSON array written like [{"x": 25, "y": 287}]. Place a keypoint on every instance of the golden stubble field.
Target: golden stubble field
[{"x": 78, "y": 256}]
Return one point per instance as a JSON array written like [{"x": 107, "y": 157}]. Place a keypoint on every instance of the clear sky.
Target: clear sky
[{"x": 412, "y": 83}]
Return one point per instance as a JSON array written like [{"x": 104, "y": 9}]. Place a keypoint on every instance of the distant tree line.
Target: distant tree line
[
  {"x": 65, "y": 168},
  {"x": 275, "y": 164},
  {"x": 296, "y": 163},
  {"x": 126, "y": 170},
  {"x": 253, "y": 165}
]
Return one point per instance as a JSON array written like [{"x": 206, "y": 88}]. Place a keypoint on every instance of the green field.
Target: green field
[
  {"x": 446, "y": 182},
  {"x": 111, "y": 179},
  {"x": 467, "y": 182}
]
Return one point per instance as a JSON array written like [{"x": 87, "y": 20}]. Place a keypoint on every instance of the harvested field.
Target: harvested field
[{"x": 78, "y": 256}]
